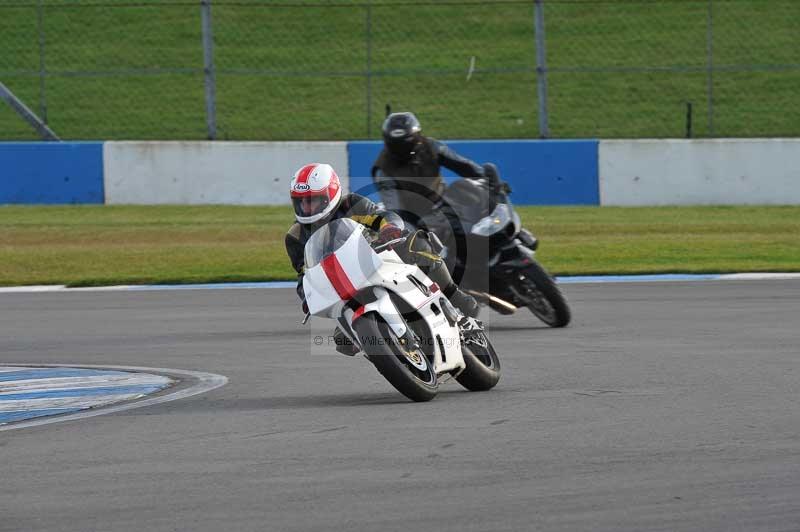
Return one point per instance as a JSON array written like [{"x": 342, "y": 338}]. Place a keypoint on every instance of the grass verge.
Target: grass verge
[{"x": 108, "y": 245}]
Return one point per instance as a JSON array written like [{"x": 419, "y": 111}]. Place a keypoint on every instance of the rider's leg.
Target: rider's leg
[{"x": 417, "y": 250}]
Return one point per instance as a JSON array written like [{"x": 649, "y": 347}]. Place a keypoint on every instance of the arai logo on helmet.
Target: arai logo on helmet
[
  {"x": 301, "y": 187},
  {"x": 398, "y": 133}
]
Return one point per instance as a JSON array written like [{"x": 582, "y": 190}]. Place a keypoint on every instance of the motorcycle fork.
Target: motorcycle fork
[{"x": 503, "y": 274}]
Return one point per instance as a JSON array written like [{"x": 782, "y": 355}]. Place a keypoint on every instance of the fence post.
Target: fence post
[
  {"x": 541, "y": 68},
  {"x": 42, "y": 70},
  {"x": 710, "y": 61},
  {"x": 208, "y": 69},
  {"x": 369, "y": 70}
]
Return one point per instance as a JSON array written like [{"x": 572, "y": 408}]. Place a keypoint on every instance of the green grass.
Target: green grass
[
  {"x": 106, "y": 245},
  {"x": 325, "y": 70}
]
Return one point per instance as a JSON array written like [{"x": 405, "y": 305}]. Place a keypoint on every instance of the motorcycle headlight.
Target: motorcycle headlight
[
  {"x": 487, "y": 226},
  {"x": 493, "y": 223}
]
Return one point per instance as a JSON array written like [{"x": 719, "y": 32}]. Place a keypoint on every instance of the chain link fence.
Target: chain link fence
[{"x": 258, "y": 70}]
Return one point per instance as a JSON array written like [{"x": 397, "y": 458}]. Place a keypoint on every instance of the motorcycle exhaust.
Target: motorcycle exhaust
[{"x": 495, "y": 303}]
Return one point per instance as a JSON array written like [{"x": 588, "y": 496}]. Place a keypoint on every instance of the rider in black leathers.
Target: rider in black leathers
[{"x": 407, "y": 171}]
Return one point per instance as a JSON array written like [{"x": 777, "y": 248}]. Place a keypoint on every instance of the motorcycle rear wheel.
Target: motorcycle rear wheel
[
  {"x": 545, "y": 300},
  {"x": 410, "y": 372}
]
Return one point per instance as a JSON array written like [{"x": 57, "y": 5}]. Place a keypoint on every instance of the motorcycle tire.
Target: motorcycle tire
[
  {"x": 411, "y": 373},
  {"x": 483, "y": 367},
  {"x": 548, "y": 303}
]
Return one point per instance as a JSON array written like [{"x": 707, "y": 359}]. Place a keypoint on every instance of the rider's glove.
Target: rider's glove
[{"x": 388, "y": 233}]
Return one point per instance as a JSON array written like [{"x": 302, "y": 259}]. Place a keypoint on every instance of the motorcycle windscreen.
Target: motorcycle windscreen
[
  {"x": 339, "y": 261},
  {"x": 330, "y": 238},
  {"x": 469, "y": 199}
]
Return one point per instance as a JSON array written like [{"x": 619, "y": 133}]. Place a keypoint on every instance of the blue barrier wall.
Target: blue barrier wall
[
  {"x": 51, "y": 172},
  {"x": 552, "y": 172},
  {"x": 541, "y": 172}
]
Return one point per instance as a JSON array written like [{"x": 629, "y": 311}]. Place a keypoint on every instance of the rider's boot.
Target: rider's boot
[
  {"x": 344, "y": 345},
  {"x": 463, "y": 301}
]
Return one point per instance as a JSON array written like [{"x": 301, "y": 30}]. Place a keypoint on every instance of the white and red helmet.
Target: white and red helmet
[{"x": 316, "y": 192}]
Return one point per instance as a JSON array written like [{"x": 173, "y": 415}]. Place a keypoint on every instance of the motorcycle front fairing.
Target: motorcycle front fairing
[
  {"x": 340, "y": 264},
  {"x": 499, "y": 220},
  {"x": 327, "y": 285}
]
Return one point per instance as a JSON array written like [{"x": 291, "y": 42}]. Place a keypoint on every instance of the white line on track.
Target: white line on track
[
  {"x": 205, "y": 382},
  {"x": 578, "y": 279}
]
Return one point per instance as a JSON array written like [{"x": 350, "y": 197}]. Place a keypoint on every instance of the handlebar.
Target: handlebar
[{"x": 390, "y": 243}]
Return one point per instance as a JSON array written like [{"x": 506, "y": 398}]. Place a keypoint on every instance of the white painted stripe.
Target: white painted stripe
[
  {"x": 119, "y": 288},
  {"x": 204, "y": 382},
  {"x": 757, "y": 276},
  {"x": 13, "y": 390},
  {"x": 7, "y": 369},
  {"x": 79, "y": 382},
  {"x": 575, "y": 279},
  {"x": 44, "y": 288},
  {"x": 65, "y": 402}
]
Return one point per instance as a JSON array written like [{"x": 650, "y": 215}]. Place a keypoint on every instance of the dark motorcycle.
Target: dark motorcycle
[{"x": 490, "y": 254}]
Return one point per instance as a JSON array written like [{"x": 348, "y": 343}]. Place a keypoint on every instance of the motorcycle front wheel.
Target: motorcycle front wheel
[
  {"x": 408, "y": 370},
  {"x": 542, "y": 295},
  {"x": 483, "y": 367}
]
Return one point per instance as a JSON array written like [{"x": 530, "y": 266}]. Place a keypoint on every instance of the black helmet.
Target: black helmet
[{"x": 400, "y": 134}]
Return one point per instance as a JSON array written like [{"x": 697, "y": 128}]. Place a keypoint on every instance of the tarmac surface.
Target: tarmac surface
[{"x": 664, "y": 406}]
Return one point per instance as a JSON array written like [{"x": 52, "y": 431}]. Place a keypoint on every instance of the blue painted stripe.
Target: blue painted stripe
[
  {"x": 80, "y": 392},
  {"x": 8, "y": 417},
  {"x": 51, "y": 373},
  {"x": 564, "y": 279},
  {"x": 637, "y": 278}
]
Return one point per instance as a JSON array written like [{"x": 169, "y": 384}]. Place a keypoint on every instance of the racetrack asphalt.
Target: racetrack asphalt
[{"x": 664, "y": 406}]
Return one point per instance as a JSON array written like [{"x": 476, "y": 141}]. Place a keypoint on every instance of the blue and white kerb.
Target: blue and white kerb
[{"x": 31, "y": 392}]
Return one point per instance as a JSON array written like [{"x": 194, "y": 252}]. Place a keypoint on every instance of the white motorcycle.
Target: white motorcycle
[{"x": 394, "y": 313}]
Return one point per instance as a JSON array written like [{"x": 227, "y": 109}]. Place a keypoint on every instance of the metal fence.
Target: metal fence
[{"x": 249, "y": 69}]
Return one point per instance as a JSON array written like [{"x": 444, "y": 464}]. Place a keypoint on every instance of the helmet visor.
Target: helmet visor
[
  {"x": 400, "y": 147},
  {"x": 306, "y": 206}
]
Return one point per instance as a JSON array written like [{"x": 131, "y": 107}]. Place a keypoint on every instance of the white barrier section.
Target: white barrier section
[
  {"x": 699, "y": 172},
  {"x": 236, "y": 173}
]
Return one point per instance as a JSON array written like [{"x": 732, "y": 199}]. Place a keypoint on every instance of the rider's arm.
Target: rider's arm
[
  {"x": 295, "y": 250},
  {"x": 455, "y": 162},
  {"x": 387, "y": 188},
  {"x": 366, "y": 212}
]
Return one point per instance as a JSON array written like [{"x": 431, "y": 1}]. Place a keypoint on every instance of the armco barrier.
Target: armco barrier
[
  {"x": 700, "y": 172},
  {"x": 51, "y": 172},
  {"x": 239, "y": 173},
  {"x": 549, "y": 172}
]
